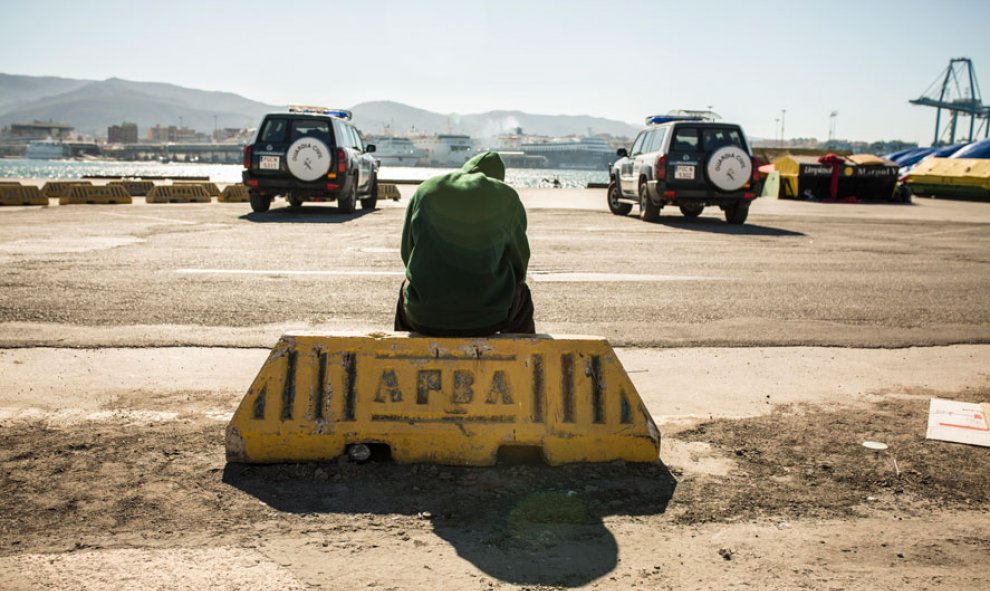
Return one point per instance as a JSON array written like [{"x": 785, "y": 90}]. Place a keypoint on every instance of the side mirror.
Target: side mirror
[
  {"x": 369, "y": 148},
  {"x": 622, "y": 153}
]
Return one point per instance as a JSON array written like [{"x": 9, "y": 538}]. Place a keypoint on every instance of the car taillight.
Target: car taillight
[
  {"x": 755, "y": 178},
  {"x": 660, "y": 172},
  {"x": 341, "y": 161},
  {"x": 248, "y": 153}
]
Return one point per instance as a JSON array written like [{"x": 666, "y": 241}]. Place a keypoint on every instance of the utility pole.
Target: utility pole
[
  {"x": 783, "y": 113},
  {"x": 831, "y": 125},
  {"x": 776, "y": 130}
]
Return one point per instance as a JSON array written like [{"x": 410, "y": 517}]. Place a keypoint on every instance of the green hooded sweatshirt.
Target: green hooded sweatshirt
[{"x": 464, "y": 246}]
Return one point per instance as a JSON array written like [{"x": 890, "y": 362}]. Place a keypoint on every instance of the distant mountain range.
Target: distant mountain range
[{"x": 91, "y": 106}]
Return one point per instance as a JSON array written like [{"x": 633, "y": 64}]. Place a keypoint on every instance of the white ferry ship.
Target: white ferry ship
[
  {"x": 397, "y": 151},
  {"x": 46, "y": 150},
  {"x": 588, "y": 153},
  {"x": 447, "y": 150}
]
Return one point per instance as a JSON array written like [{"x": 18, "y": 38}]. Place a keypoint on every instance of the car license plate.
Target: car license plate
[
  {"x": 269, "y": 162},
  {"x": 684, "y": 172}
]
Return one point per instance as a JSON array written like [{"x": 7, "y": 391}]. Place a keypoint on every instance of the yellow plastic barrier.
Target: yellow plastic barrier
[
  {"x": 58, "y": 189},
  {"x": 211, "y": 188},
  {"x": 177, "y": 194},
  {"x": 389, "y": 191},
  {"x": 21, "y": 195},
  {"x": 134, "y": 188},
  {"x": 104, "y": 194},
  {"x": 443, "y": 400},
  {"x": 234, "y": 194}
]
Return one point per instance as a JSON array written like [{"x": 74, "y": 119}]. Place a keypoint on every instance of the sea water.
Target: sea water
[{"x": 231, "y": 173}]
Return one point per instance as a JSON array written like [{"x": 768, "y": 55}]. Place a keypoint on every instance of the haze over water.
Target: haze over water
[{"x": 231, "y": 173}]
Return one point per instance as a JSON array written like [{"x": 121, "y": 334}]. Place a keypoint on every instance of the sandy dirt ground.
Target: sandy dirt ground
[{"x": 123, "y": 484}]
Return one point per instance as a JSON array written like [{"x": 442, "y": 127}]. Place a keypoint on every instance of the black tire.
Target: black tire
[
  {"x": 691, "y": 210},
  {"x": 614, "y": 205},
  {"x": 295, "y": 202},
  {"x": 904, "y": 194},
  {"x": 260, "y": 203},
  {"x": 648, "y": 211},
  {"x": 736, "y": 213},
  {"x": 348, "y": 203},
  {"x": 371, "y": 200}
]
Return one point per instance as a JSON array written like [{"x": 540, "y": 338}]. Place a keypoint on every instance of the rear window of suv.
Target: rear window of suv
[
  {"x": 714, "y": 138},
  {"x": 688, "y": 139},
  {"x": 313, "y": 128},
  {"x": 685, "y": 140},
  {"x": 274, "y": 130},
  {"x": 279, "y": 129}
]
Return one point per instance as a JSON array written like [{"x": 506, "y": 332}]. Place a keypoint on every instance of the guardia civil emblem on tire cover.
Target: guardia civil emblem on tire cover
[
  {"x": 308, "y": 159},
  {"x": 729, "y": 168}
]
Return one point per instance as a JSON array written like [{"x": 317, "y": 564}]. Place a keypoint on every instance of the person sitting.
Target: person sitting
[{"x": 466, "y": 253}]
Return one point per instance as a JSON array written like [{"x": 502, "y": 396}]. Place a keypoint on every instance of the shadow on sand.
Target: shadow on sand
[
  {"x": 525, "y": 525},
  {"x": 715, "y": 225},
  {"x": 306, "y": 214}
]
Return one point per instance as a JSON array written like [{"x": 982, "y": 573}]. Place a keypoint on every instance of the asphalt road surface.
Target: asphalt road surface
[
  {"x": 768, "y": 353},
  {"x": 875, "y": 275}
]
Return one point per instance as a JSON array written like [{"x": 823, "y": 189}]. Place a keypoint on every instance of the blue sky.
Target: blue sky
[{"x": 622, "y": 60}]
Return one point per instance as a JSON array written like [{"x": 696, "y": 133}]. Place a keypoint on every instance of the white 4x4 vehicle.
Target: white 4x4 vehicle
[
  {"x": 310, "y": 154},
  {"x": 690, "y": 162}
]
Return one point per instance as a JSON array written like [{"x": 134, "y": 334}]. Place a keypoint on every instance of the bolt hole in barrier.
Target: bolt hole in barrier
[{"x": 451, "y": 401}]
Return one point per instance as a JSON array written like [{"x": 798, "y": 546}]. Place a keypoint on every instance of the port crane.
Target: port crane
[{"x": 957, "y": 91}]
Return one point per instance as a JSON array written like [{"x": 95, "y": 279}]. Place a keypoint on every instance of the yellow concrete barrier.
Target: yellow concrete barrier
[
  {"x": 234, "y": 194},
  {"x": 134, "y": 188},
  {"x": 177, "y": 194},
  {"x": 58, "y": 189},
  {"x": 21, "y": 195},
  {"x": 104, "y": 194},
  {"x": 211, "y": 188},
  {"x": 444, "y": 400},
  {"x": 389, "y": 191}
]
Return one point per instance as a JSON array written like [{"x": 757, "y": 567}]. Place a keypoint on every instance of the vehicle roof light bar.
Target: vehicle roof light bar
[
  {"x": 339, "y": 113},
  {"x": 683, "y": 115},
  {"x": 660, "y": 119}
]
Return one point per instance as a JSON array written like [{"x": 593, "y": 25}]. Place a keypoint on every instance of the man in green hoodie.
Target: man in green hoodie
[{"x": 465, "y": 250}]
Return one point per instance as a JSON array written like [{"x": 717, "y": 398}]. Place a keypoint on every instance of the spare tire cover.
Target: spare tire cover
[
  {"x": 308, "y": 159},
  {"x": 729, "y": 168}
]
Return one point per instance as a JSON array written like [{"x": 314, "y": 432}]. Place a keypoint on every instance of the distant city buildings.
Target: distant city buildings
[
  {"x": 838, "y": 145},
  {"x": 125, "y": 133},
  {"x": 38, "y": 130},
  {"x": 173, "y": 134}
]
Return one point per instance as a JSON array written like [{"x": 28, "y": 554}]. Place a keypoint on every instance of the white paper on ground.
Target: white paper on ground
[{"x": 959, "y": 422}]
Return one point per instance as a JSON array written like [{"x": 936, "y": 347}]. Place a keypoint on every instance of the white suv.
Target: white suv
[{"x": 687, "y": 161}]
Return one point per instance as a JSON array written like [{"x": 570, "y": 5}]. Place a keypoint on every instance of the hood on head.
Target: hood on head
[{"x": 488, "y": 163}]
